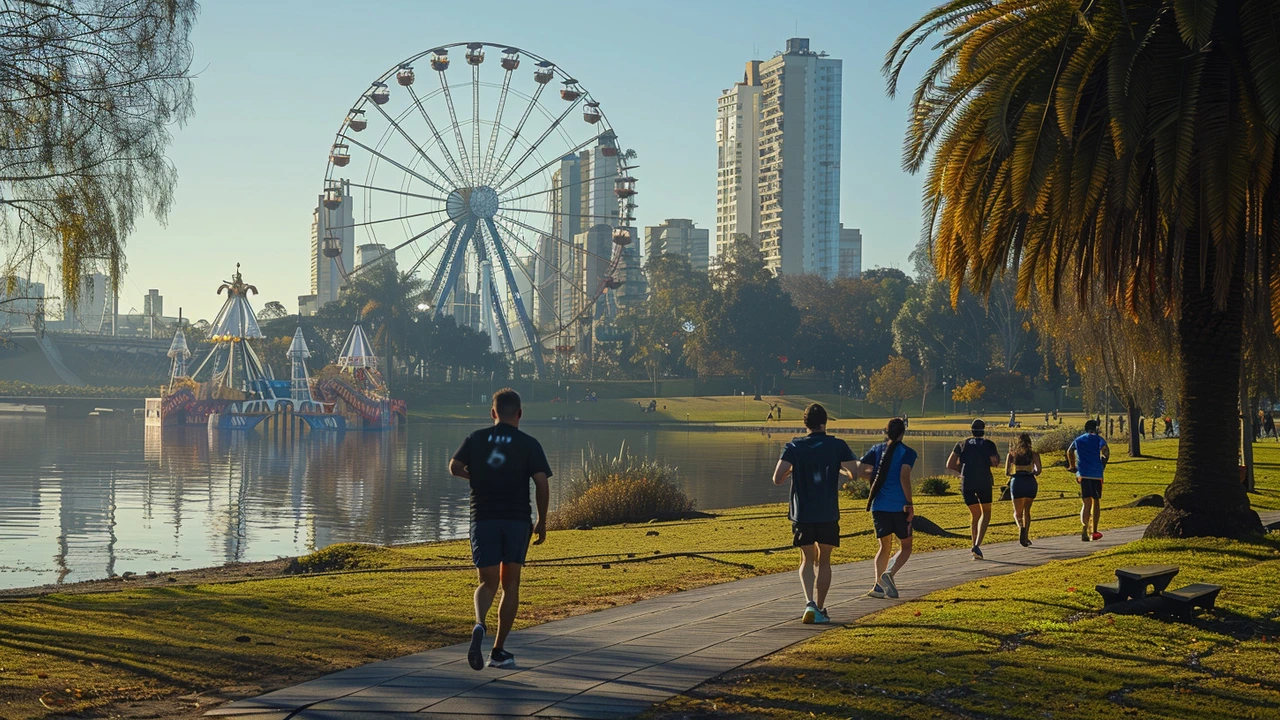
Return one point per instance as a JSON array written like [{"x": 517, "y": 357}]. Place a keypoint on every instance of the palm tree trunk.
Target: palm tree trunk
[{"x": 1206, "y": 497}]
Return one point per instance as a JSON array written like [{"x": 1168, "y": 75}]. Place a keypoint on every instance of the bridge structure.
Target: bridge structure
[{"x": 57, "y": 358}]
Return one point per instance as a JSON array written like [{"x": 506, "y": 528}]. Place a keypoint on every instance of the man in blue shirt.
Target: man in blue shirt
[
  {"x": 815, "y": 463},
  {"x": 1087, "y": 457},
  {"x": 888, "y": 467}
]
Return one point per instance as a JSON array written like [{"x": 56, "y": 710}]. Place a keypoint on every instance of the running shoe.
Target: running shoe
[
  {"x": 1084, "y": 534},
  {"x": 474, "y": 657},
  {"x": 886, "y": 582},
  {"x": 501, "y": 659},
  {"x": 823, "y": 618},
  {"x": 810, "y": 615},
  {"x": 977, "y": 552},
  {"x": 1097, "y": 535},
  {"x": 876, "y": 592}
]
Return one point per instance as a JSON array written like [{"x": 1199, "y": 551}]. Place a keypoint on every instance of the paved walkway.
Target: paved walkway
[{"x": 618, "y": 662}]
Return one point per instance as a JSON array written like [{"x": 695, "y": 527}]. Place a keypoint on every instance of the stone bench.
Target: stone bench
[{"x": 1185, "y": 600}]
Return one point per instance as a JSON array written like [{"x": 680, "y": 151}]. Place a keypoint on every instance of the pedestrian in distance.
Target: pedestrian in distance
[
  {"x": 1111, "y": 426},
  {"x": 499, "y": 461},
  {"x": 1087, "y": 458},
  {"x": 1121, "y": 424},
  {"x": 1269, "y": 425},
  {"x": 1023, "y": 467},
  {"x": 1142, "y": 426},
  {"x": 888, "y": 467},
  {"x": 972, "y": 460},
  {"x": 814, "y": 463}
]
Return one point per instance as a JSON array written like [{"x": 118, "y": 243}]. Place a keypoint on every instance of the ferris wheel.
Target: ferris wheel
[{"x": 498, "y": 180}]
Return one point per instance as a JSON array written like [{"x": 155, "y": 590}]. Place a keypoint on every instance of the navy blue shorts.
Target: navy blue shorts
[
  {"x": 494, "y": 542},
  {"x": 891, "y": 523},
  {"x": 976, "y": 493},
  {"x": 1090, "y": 488}
]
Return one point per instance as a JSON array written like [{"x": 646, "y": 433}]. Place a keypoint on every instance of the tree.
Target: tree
[
  {"x": 923, "y": 331},
  {"x": 893, "y": 384},
  {"x": 88, "y": 92},
  {"x": 659, "y": 327},
  {"x": 748, "y": 320},
  {"x": 969, "y": 393},
  {"x": 1139, "y": 138},
  {"x": 1004, "y": 388}
]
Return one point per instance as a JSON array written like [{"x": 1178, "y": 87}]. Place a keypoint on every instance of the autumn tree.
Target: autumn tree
[
  {"x": 969, "y": 393},
  {"x": 893, "y": 384}
]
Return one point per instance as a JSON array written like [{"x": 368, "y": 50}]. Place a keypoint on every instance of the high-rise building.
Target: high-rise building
[
  {"x": 93, "y": 305},
  {"x": 635, "y": 286},
  {"x": 679, "y": 237},
  {"x": 799, "y": 173},
  {"x": 370, "y": 253},
  {"x": 738, "y": 166},
  {"x": 153, "y": 304},
  {"x": 331, "y": 227},
  {"x": 21, "y": 302},
  {"x": 850, "y": 252}
]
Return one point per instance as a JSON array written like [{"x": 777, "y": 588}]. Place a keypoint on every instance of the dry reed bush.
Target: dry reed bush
[{"x": 622, "y": 488}]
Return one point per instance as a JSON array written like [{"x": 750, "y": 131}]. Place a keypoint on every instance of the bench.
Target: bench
[
  {"x": 1185, "y": 600},
  {"x": 1110, "y": 593},
  {"x": 1134, "y": 581}
]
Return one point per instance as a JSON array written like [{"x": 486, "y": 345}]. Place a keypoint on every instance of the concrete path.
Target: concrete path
[{"x": 618, "y": 662}]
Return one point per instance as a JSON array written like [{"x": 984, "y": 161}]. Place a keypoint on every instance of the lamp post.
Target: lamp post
[
  {"x": 841, "y": 410},
  {"x": 944, "y": 397},
  {"x": 863, "y": 401}
]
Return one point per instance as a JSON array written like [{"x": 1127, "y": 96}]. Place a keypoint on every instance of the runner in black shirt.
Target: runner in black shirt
[
  {"x": 972, "y": 460},
  {"x": 499, "y": 461},
  {"x": 814, "y": 463}
]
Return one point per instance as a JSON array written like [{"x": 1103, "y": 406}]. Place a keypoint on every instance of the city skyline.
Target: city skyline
[{"x": 250, "y": 170}]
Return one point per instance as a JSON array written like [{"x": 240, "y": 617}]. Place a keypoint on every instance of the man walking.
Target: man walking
[
  {"x": 814, "y": 463},
  {"x": 1088, "y": 456},
  {"x": 499, "y": 461},
  {"x": 972, "y": 460}
]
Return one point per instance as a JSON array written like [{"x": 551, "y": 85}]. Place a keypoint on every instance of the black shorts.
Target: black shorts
[
  {"x": 823, "y": 533},
  {"x": 891, "y": 523},
  {"x": 1090, "y": 488},
  {"x": 1023, "y": 485},
  {"x": 976, "y": 494},
  {"x": 494, "y": 542}
]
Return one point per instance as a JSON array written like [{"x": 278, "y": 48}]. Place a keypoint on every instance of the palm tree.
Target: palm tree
[
  {"x": 388, "y": 301},
  {"x": 1128, "y": 145}
]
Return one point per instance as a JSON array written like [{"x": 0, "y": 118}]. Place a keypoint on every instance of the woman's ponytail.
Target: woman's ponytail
[{"x": 893, "y": 434}]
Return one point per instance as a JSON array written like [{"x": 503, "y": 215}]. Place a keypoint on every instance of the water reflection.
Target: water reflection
[{"x": 81, "y": 499}]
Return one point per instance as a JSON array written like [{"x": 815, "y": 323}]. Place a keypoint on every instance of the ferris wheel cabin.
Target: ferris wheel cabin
[
  {"x": 404, "y": 76},
  {"x": 510, "y": 59},
  {"x": 332, "y": 195},
  {"x": 591, "y": 112},
  {"x": 379, "y": 93},
  {"x": 356, "y": 119},
  {"x": 440, "y": 59},
  {"x": 571, "y": 90},
  {"x": 475, "y": 53},
  {"x": 544, "y": 72},
  {"x": 340, "y": 155}
]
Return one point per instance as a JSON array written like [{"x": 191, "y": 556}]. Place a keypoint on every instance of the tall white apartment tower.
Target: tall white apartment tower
[
  {"x": 326, "y": 275},
  {"x": 738, "y": 169},
  {"x": 799, "y": 173}
]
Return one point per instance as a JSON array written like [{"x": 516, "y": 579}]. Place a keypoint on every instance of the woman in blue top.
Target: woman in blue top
[{"x": 888, "y": 466}]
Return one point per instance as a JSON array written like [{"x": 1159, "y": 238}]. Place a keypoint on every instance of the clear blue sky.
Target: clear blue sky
[{"x": 276, "y": 78}]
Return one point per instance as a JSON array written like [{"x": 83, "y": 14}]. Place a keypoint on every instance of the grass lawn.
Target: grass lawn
[
  {"x": 729, "y": 410},
  {"x": 1032, "y": 645},
  {"x": 189, "y": 644}
]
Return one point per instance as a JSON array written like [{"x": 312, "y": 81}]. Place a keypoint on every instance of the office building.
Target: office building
[
  {"x": 635, "y": 286},
  {"x": 678, "y": 236},
  {"x": 153, "y": 304},
  {"x": 850, "y": 252},
  {"x": 738, "y": 161},
  {"x": 94, "y": 307},
  {"x": 21, "y": 302},
  {"x": 798, "y": 176},
  {"x": 370, "y": 253},
  {"x": 331, "y": 227}
]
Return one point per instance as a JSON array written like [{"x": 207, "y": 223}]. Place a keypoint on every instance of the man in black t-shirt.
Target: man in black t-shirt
[
  {"x": 814, "y": 463},
  {"x": 499, "y": 461},
  {"x": 972, "y": 460}
]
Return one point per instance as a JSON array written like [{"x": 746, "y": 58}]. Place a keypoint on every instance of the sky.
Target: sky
[{"x": 274, "y": 80}]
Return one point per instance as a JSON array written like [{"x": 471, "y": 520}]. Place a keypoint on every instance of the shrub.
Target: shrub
[
  {"x": 342, "y": 556},
  {"x": 1056, "y": 440},
  {"x": 935, "y": 485},
  {"x": 611, "y": 490},
  {"x": 858, "y": 489}
]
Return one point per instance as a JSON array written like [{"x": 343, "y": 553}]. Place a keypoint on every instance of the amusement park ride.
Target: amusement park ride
[
  {"x": 464, "y": 167},
  {"x": 519, "y": 223},
  {"x": 239, "y": 394}
]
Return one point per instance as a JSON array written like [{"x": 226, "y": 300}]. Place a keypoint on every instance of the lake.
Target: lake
[{"x": 81, "y": 499}]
